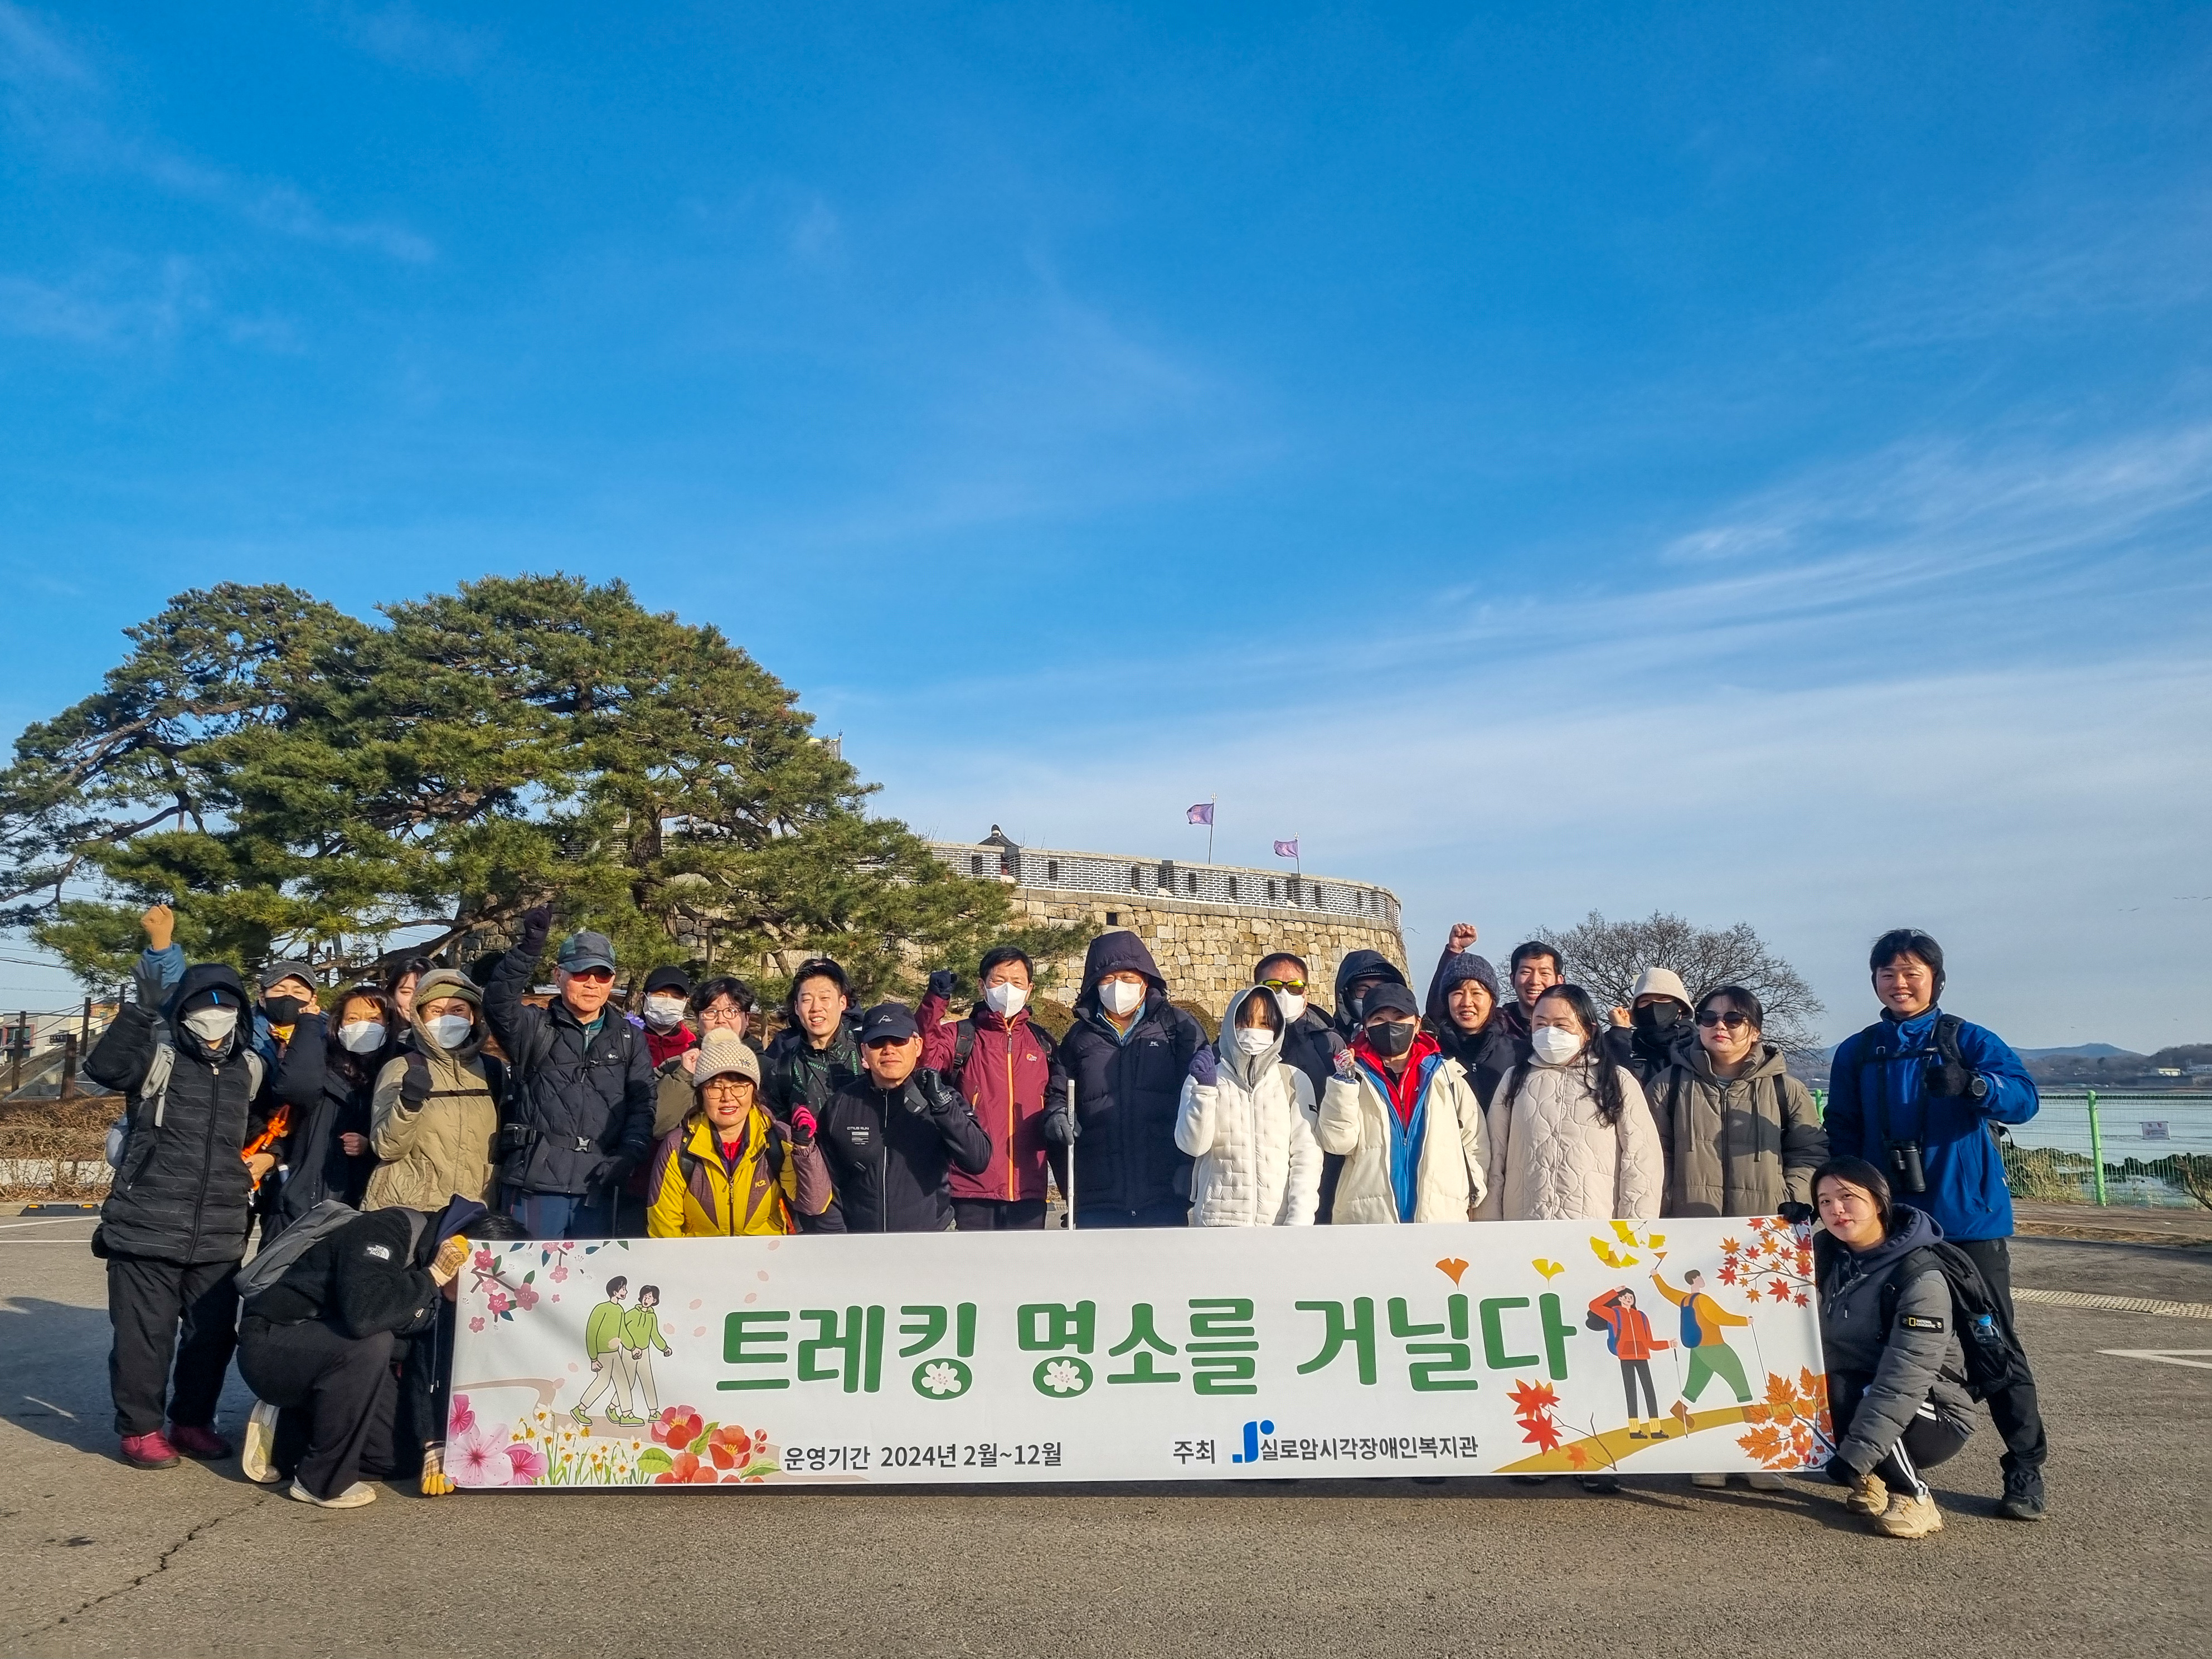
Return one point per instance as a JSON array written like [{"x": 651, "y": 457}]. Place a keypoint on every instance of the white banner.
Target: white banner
[{"x": 1183, "y": 1354}]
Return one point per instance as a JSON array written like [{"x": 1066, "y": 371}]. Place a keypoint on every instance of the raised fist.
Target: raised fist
[
  {"x": 160, "y": 922},
  {"x": 1462, "y": 938}
]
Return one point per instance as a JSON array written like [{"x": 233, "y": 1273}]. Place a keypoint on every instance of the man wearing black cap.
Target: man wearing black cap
[
  {"x": 578, "y": 1112},
  {"x": 1404, "y": 1119},
  {"x": 891, "y": 1135}
]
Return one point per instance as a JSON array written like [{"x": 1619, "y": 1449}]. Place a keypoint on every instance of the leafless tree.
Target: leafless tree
[{"x": 1605, "y": 957}]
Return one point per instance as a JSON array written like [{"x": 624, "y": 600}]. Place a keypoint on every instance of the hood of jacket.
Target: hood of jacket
[
  {"x": 435, "y": 987},
  {"x": 1113, "y": 953},
  {"x": 1360, "y": 964},
  {"x": 1768, "y": 1062},
  {"x": 205, "y": 985},
  {"x": 1246, "y": 1069}
]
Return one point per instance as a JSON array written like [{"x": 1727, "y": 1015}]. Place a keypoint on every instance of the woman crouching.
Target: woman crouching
[
  {"x": 1896, "y": 1377},
  {"x": 729, "y": 1168}
]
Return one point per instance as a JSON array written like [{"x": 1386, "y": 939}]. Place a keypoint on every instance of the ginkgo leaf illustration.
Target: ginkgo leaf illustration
[
  {"x": 1550, "y": 1269},
  {"x": 1625, "y": 1232},
  {"x": 1451, "y": 1267}
]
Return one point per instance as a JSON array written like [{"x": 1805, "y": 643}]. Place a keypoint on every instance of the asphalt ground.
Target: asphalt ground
[{"x": 195, "y": 1560}]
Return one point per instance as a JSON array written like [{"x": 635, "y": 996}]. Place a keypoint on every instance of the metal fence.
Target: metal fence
[{"x": 2141, "y": 1149}]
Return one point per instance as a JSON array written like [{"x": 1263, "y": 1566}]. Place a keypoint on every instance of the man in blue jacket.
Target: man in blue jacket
[{"x": 1915, "y": 1095}]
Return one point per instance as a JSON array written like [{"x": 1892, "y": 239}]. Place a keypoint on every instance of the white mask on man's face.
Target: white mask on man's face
[
  {"x": 1004, "y": 998},
  {"x": 1553, "y": 1045},
  {"x": 1120, "y": 998},
  {"x": 1293, "y": 1007},
  {"x": 664, "y": 1013},
  {"x": 212, "y": 1026}
]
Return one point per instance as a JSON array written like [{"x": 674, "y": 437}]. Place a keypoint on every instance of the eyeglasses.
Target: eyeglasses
[
  {"x": 1296, "y": 988},
  {"x": 1734, "y": 1020},
  {"x": 726, "y": 1086}
]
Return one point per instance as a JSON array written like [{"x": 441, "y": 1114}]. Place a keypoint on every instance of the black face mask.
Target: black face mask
[
  {"x": 1392, "y": 1038},
  {"x": 284, "y": 1011},
  {"x": 1657, "y": 1018}
]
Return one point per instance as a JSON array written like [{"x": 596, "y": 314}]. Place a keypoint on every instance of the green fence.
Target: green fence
[{"x": 2142, "y": 1149}]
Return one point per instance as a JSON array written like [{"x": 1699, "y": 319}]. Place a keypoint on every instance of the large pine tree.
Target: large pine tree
[{"x": 301, "y": 781}]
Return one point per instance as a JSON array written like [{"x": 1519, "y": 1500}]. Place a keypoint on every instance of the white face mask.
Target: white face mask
[
  {"x": 362, "y": 1036},
  {"x": 1254, "y": 1040},
  {"x": 1293, "y": 1007},
  {"x": 1119, "y": 997},
  {"x": 212, "y": 1026},
  {"x": 450, "y": 1030},
  {"x": 664, "y": 1013},
  {"x": 1006, "y": 999},
  {"x": 1554, "y": 1047}
]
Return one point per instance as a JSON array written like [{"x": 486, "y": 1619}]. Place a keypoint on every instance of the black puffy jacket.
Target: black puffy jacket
[
  {"x": 1127, "y": 1090},
  {"x": 889, "y": 1162},
  {"x": 330, "y": 1091},
  {"x": 1311, "y": 1044},
  {"x": 182, "y": 1193},
  {"x": 582, "y": 1101},
  {"x": 795, "y": 1073},
  {"x": 373, "y": 1275}
]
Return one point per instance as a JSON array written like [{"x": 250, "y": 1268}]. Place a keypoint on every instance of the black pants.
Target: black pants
[
  {"x": 346, "y": 1384},
  {"x": 426, "y": 1372},
  {"x": 1631, "y": 1369},
  {"x": 993, "y": 1215},
  {"x": 149, "y": 1302},
  {"x": 2017, "y": 1418},
  {"x": 1927, "y": 1441}
]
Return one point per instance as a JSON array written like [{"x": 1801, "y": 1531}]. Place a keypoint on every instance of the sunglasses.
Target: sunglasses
[
  {"x": 1734, "y": 1020},
  {"x": 597, "y": 976},
  {"x": 1296, "y": 988}
]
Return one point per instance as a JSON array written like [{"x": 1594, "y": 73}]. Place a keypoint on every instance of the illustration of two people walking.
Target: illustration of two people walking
[
  {"x": 619, "y": 1342},
  {"x": 1628, "y": 1337}
]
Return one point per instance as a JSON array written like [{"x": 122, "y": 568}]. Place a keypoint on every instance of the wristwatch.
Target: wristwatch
[{"x": 1978, "y": 1088}]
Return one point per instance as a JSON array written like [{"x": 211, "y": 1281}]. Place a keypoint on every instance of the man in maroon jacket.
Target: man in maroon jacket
[{"x": 1008, "y": 1072}]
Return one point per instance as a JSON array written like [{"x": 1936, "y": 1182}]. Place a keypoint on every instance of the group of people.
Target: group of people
[{"x": 438, "y": 1105}]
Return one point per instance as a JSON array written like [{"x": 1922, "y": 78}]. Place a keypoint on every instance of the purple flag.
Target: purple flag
[
  {"x": 1287, "y": 849},
  {"x": 1201, "y": 813}
]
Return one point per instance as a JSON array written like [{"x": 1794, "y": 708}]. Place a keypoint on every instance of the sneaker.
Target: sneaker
[
  {"x": 1869, "y": 1496},
  {"x": 1908, "y": 1517},
  {"x": 1599, "y": 1482},
  {"x": 258, "y": 1444},
  {"x": 581, "y": 1416},
  {"x": 149, "y": 1451},
  {"x": 2023, "y": 1495},
  {"x": 199, "y": 1440},
  {"x": 351, "y": 1498},
  {"x": 1710, "y": 1482},
  {"x": 1766, "y": 1483}
]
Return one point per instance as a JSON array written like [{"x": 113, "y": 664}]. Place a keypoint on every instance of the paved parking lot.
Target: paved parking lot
[{"x": 108, "y": 1560}]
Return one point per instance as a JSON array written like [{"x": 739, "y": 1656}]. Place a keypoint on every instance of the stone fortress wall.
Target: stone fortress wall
[{"x": 1205, "y": 924}]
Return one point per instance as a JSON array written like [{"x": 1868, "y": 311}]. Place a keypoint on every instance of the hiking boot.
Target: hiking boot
[
  {"x": 149, "y": 1451},
  {"x": 351, "y": 1498},
  {"x": 1709, "y": 1482},
  {"x": 2023, "y": 1495},
  {"x": 199, "y": 1440},
  {"x": 257, "y": 1445},
  {"x": 1908, "y": 1517},
  {"x": 1869, "y": 1496}
]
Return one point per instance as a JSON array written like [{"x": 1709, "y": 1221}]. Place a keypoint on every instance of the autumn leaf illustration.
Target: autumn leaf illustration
[
  {"x": 1541, "y": 1432},
  {"x": 1529, "y": 1398}
]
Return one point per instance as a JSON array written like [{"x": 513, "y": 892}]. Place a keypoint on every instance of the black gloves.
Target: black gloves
[
  {"x": 1843, "y": 1473},
  {"x": 1948, "y": 1079},
  {"x": 1204, "y": 1066},
  {"x": 1060, "y": 1128},
  {"x": 537, "y": 925},
  {"x": 415, "y": 1083},
  {"x": 925, "y": 1094},
  {"x": 1798, "y": 1215},
  {"x": 941, "y": 983}
]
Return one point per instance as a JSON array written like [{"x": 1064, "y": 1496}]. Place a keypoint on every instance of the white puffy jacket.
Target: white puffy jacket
[
  {"x": 1551, "y": 1159},
  {"x": 1252, "y": 1132},
  {"x": 1450, "y": 1179}
]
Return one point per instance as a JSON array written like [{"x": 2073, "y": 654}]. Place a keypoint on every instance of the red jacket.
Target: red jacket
[
  {"x": 1010, "y": 1073},
  {"x": 1631, "y": 1337}
]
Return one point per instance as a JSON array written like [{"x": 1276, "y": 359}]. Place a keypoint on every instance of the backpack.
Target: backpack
[
  {"x": 273, "y": 1261},
  {"x": 1878, "y": 1046},
  {"x": 155, "y": 1087},
  {"x": 1995, "y": 1360}
]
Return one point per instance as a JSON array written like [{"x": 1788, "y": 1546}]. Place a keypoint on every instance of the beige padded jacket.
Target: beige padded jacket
[
  {"x": 443, "y": 1148},
  {"x": 1732, "y": 1148}
]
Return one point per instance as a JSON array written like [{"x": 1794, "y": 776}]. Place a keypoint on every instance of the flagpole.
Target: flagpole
[{"x": 1210, "y": 801}]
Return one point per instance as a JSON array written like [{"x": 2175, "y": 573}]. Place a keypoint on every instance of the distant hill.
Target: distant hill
[{"x": 2081, "y": 1051}]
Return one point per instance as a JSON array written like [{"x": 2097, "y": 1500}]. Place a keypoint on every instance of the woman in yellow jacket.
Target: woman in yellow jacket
[{"x": 729, "y": 1168}]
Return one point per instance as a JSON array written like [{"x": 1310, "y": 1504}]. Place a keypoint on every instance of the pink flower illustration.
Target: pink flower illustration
[
  {"x": 526, "y": 1296},
  {"x": 483, "y": 1260},
  {"x": 461, "y": 1418},
  {"x": 560, "y": 1272},
  {"x": 477, "y": 1324},
  {"x": 479, "y": 1457},
  {"x": 497, "y": 1303},
  {"x": 529, "y": 1462}
]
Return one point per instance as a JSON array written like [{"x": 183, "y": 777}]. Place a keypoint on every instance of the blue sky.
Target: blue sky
[{"x": 1721, "y": 458}]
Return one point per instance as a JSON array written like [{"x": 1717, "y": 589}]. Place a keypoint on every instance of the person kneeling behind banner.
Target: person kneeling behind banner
[
  {"x": 1897, "y": 1375},
  {"x": 325, "y": 1337}
]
